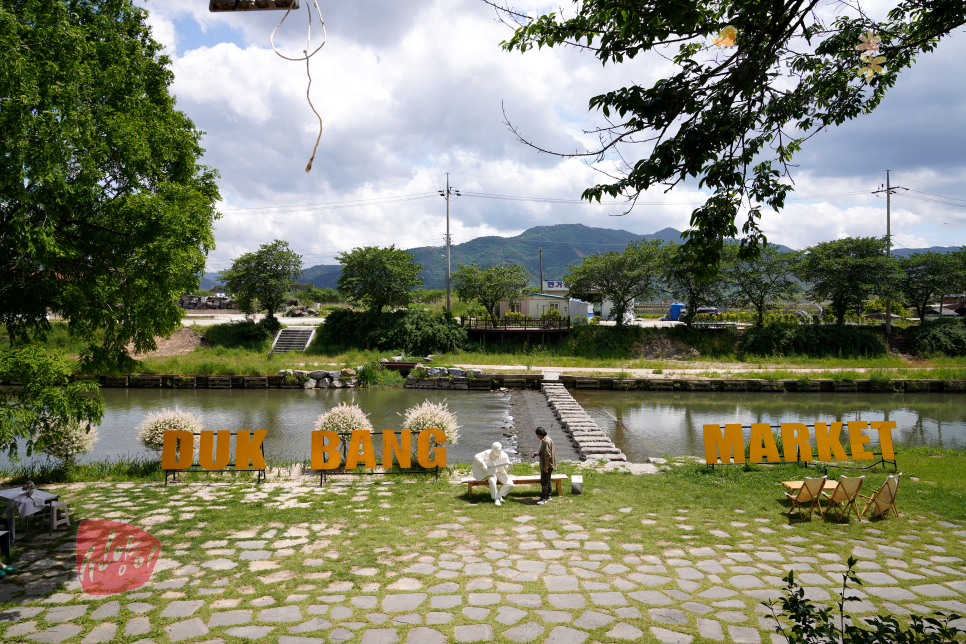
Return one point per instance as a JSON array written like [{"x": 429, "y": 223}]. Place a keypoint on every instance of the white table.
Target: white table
[{"x": 8, "y": 495}]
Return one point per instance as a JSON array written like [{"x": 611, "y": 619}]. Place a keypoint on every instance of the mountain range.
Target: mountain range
[{"x": 562, "y": 244}]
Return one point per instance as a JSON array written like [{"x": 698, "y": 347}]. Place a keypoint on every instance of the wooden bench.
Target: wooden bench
[{"x": 517, "y": 480}]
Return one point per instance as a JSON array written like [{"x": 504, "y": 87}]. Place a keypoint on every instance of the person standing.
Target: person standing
[{"x": 548, "y": 462}]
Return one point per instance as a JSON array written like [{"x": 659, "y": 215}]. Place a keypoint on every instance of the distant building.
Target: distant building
[{"x": 537, "y": 304}]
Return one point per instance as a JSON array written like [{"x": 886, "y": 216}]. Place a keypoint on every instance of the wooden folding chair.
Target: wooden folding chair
[
  {"x": 842, "y": 498},
  {"x": 808, "y": 497},
  {"x": 884, "y": 499}
]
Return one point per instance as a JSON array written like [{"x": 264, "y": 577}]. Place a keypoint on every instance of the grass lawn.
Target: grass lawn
[{"x": 683, "y": 551}]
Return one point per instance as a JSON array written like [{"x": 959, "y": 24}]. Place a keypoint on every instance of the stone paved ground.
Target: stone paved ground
[{"x": 298, "y": 564}]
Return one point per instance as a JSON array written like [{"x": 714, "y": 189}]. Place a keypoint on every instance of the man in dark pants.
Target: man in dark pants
[{"x": 548, "y": 462}]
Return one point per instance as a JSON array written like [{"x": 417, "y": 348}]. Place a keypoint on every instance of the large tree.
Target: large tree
[
  {"x": 847, "y": 272},
  {"x": 762, "y": 282},
  {"x": 105, "y": 213},
  {"x": 622, "y": 278},
  {"x": 687, "y": 281},
  {"x": 379, "y": 277},
  {"x": 739, "y": 102},
  {"x": 260, "y": 279},
  {"x": 491, "y": 285},
  {"x": 928, "y": 275}
]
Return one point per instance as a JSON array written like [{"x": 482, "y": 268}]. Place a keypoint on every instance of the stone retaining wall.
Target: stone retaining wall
[
  {"x": 591, "y": 442},
  {"x": 705, "y": 384}
]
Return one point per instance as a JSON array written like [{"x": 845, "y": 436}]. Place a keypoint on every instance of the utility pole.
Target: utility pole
[
  {"x": 541, "y": 270},
  {"x": 888, "y": 190},
  {"x": 449, "y": 191}
]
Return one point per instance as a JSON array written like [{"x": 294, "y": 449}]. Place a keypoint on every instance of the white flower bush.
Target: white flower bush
[
  {"x": 75, "y": 439},
  {"x": 432, "y": 415},
  {"x": 151, "y": 431},
  {"x": 344, "y": 418}
]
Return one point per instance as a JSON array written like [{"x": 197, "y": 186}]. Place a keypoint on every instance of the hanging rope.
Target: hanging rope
[{"x": 306, "y": 57}]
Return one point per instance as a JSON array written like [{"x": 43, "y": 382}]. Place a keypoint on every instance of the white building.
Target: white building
[{"x": 539, "y": 303}]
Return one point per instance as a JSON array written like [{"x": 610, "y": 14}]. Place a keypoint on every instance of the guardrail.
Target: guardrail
[{"x": 526, "y": 324}]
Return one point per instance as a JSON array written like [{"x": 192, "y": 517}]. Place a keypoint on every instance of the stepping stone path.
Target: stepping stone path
[
  {"x": 589, "y": 440},
  {"x": 644, "y": 581}
]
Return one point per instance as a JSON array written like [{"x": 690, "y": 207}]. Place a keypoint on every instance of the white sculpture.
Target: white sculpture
[{"x": 492, "y": 465}]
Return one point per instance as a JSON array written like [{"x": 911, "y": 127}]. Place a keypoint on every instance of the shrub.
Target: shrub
[
  {"x": 412, "y": 331},
  {"x": 514, "y": 315},
  {"x": 151, "y": 430},
  {"x": 431, "y": 415},
  {"x": 812, "y": 340},
  {"x": 69, "y": 440},
  {"x": 344, "y": 418},
  {"x": 550, "y": 314},
  {"x": 946, "y": 336},
  {"x": 246, "y": 334}
]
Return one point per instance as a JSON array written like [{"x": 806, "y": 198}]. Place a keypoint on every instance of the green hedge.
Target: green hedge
[
  {"x": 595, "y": 341},
  {"x": 414, "y": 332},
  {"x": 813, "y": 340},
  {"x": 245, "y": 334},
  {"x": 942, "y": 335}
]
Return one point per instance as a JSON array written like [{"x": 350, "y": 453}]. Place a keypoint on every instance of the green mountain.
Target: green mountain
[{"x": 562, "y": 244}]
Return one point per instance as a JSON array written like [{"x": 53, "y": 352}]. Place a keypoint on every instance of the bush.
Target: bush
[
  {"x": 344, "y": 418},
  {"x": 946, "y": 336},
  {"x": 514, "y": 315},
  {"x": 427, "y": 416},
  {"x": 812, "y": 340},
  {"x": 412, "y": 331},
  {"x": 247, "y": 334},
  {"x": 151, "y": 430},
  {"x": 70, "y": 440},
  {"x": 550, "y": 314},
  {"x": 593, "y": 340}
]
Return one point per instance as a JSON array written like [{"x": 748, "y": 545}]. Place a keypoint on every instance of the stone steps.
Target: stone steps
[{"x": 587, "y": 437}]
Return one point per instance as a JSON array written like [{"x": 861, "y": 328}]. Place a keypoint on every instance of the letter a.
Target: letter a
[
  {"x": 762, "y": 443},
  {"x": 360, "y": 438}
]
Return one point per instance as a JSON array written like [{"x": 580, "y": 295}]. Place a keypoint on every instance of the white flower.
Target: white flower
[
  {"x": 344, "y": 418},
  {"x": 152, "y": 430},
  {"x": 432, "y": 415},
  {"x": 75, "y": 439}
]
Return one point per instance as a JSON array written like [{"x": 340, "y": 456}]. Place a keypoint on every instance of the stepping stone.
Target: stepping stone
[
  {"x": 652, "y": 597},
  {"x": 695, "y": 607},
  {"x": 554, "y": 616},
  {"x": 746, "y": 581},
  {"x": 423, "y": 635},
  {"x": 608, "y": 599},
  {"x": 230, "y": 618},
  {"x": 895, "y": 594},
  {"x": 58, "y": 633},
  {"x": 529, "y": 600},
  {"x": 473, "y": 633},
  {"x": 220, "y": 564},
  {"x": 876, "y": 578},
  {"x": 669, "y": 615},
  {"x": 177, "y": 609},
  {"x": 380, "y": 636},
  {"x": 403, "y": 603},
  {"x": 525, "y": 632},
  {"x": 565, "y": 635},
  {"x": 592, "y": 619},
  {"x": 255, "y": 555},
  {"x": 624, "y": 631},
  {"x": 287, "y": 639},
  {"x": 341, "y": 612},
  {"x": 566, "y": 601},
  {"x": 480, "y": 583},
  {"x": 933, "y": 590},
  {"x": 405, "y": 583},
  {"x": 64, "y": 613},
  {"x": 447, "y": 587},
  {"x": 341, "y": 635},
  {"x": 671, "y": 637},
  {"x": 412, "y": 618},
  {"x": 258, "y": 632},
  {"x": 815, "y": 578},
  {"x": 188, "y": 628},
  {"x": 717, "y": 592},
  {"x": 138, "y": 626},
  {"x": 484, "y": 599},
  {"x": 140, "y": 607},
  {"x": 744, "y": 635},
  {"x": 710, "y": 629},
  {"x": 732, "y": 616},
  {"x": 509, "y": 615},
  {"x": 110, "y": 609},
  {"x": 560, "y": 582},
  {"x": 476, "y": 613},
  {"x": 446, "y": 601},
  {"x": 100, "y": 634},
  {"x": 438, "y": 618},
  {"x": 16, "y": 614}
]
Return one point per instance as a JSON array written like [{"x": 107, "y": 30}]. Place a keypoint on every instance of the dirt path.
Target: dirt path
[{"x": 182, "y": 341}]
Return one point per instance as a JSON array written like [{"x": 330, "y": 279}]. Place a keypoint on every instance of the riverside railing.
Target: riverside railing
[{"x": 513, "y": 324}]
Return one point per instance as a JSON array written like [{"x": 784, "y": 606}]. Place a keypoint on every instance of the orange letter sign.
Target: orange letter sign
[
  {"x": 223, "y": 454},
  {"x": 827, "y": 442},
  {"x": 391, "y": 447},
  {"x": 439, "y": 451},
  {"x": 171, "y": 457},
  {"x": 247, "y": 447},
  {"x": 360, "y": 438},
  {"x": 731, "y": 442},
  {"x": 320, "y": 450},
  {"x": 795, "y": 435},
  {"x": 857, "y": 440},
  {"x": 762, "y": 443},
  {"x": 885, "y": 428}
]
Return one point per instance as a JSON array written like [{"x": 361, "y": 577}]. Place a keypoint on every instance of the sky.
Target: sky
[{"x": 409, "y": 91}]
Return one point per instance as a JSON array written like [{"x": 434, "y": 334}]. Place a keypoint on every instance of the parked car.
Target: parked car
[{"x": 707, "y": 310}]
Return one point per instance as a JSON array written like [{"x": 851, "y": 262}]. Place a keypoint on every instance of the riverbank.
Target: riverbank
[{"x": 410, "y": 560}]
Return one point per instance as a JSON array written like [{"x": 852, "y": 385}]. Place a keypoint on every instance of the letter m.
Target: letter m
[{"x": 731, "y": 443}]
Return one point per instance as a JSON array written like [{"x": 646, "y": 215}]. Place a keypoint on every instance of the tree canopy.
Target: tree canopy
[
  {"x": 379, "y": 277},
  {"x": 763, "y": 281},
  {"x": 736, "y": 108},
  {"x": 622, "y": 278},
  {"x": 260, "y": 279},
  {"x": 105, "y": 213},
  {"x": 491, "y": 285},
  {"x": 686, "y": 282},
  {"x": 928, "y": 275}
]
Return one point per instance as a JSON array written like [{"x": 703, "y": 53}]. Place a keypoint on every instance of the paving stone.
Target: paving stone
[
  {"x": 565, "y": 635},
  {"x": 22, "y": 612},
  {"x": 220, "y": 564},
  {"x": 815, "y": 578},
  {"x": 230, "y": 618},
  {"x": 365, "y": 602},
  {"x": 141, "y": 607},
  {"x": 404, "y": 603},
  {"x": 423, "y": 635},
  {"x": 732, "y": 616},
  {"x": 653, "y": 597},
  {"x": 623, "y": 631},
  {"x": 255, "y": 555},
  {"x": 473, "y": 633},
  {"x": 717, "y": 592},
  {"x": 438, "y": 618},
  {"x": 137, "y": 626},
  {"x": 819, "y": 594},
  {"x": 524, "y": 632},
  {"x": 58, "y": 633},
  {"x": 933, "y": 590},
  {"x": 446, "y": 601},
  {"x": 178, "y": 609},
  {"x": 258, "y": 632},
  {"x": 608, "y": 599},
  {"x": 484, "y": 599},
  {"x": 405, "y": 583},
  {"x": 710, "y": 629},
  {"x": 341, "y": 635},
  {"x": 380, "y": 636},
  {"x": 288, "y": 639},
  {"x": 744, "y": 635},
  {"x": 509, "y": 615},
  {"x": 188, "y": 628},
  {"x": 671, "y": 637},
  {"x": 896, "y": 594},
  {"x": 560, "y": 582},
  {"x": 876, "y": 578},
  {"x": 480, "y": 583},
  {"x": 668, "y": 615},
  {"x": 566, "y": 600},
  {"x": 477, "y": 613},
  {"x": 746, "y": 581},
  {"x": 410, "y": 619},
  {"x": 592, "y": 619},
  {"x": 555, "y": 616},
  {"x": 101, "y": 633},
  {"x": 64, "y": 613}
]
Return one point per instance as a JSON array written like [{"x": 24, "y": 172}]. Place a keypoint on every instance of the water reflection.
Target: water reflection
[
  {"x": 653, "y": 424},
  {"x": 289, "y": 415}
]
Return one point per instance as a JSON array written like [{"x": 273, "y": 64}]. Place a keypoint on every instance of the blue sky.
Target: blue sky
[{"x": 409, "y": 90}]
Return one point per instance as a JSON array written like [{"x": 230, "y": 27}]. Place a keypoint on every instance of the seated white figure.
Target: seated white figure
[{"x": 492, "y": 465}]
